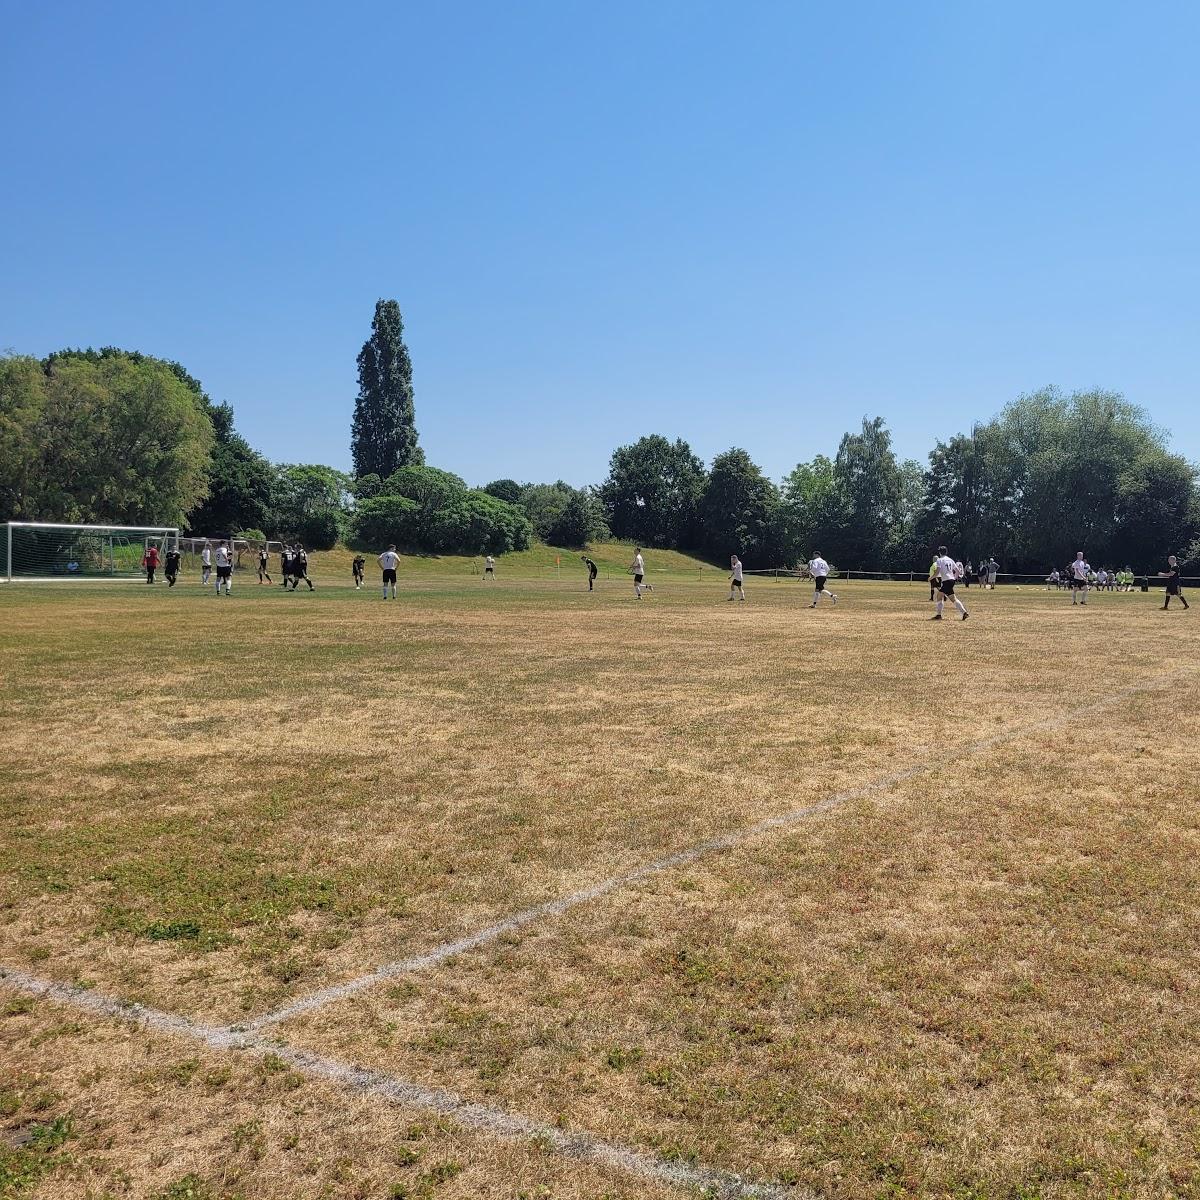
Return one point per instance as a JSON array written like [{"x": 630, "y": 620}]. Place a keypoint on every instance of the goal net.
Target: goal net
[
  {"x": 244, "y": 551},
  {"x": 43, "y": 551}
]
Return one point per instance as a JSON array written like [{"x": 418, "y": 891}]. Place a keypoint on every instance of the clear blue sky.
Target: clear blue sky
[{"x": 739, "y": 224}]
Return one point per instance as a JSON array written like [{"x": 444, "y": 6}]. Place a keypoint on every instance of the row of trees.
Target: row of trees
[
  {"x": 119, "y": 437},
  {"x": 1051, "y": 474}
]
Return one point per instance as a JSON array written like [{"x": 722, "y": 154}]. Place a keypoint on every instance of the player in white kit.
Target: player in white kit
[
  {"x": 947, "y": 572},
  {"x": 1080, "y": 570},
  {"x": 818, "y": 568},
  {"x": 735, "y": 579},
  {"x": 224, "y": 568},
  {"x": 205, "y": 564},
  {"x": 389, "y": 560},
  {"x": 638, "y": 569}
]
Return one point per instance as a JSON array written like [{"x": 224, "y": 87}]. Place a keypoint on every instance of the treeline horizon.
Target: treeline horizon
[{"x": 115, "y": 436}]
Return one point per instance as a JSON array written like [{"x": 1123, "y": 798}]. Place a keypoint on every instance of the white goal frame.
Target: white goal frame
[{"x": 166, "y": 534}]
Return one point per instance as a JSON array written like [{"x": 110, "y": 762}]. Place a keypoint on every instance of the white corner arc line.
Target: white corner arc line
[
  {"x": 554, "y": 908},
  {"x": 497, "y": 1122}
]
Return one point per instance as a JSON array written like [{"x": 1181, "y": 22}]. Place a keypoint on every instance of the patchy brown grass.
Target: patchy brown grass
[
  {"x": 212, "y": 806},
  {"x": 95, "y": 1109},
  {"x": 976, "y": 988}
]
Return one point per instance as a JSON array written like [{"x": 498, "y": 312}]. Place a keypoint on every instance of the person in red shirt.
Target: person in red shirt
[{"x": 150, "y": 562}]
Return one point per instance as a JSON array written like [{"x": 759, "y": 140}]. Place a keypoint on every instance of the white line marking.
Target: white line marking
[
  {"x": 554, "y": 908},
  {"x": 497, "y": 1122}
]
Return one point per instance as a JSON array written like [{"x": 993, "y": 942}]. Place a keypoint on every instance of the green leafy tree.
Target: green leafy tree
[
  {"x": 386, "y": 520},
  {"x": 968, "y": 502},
  {"x": 446, "y": 520},
  {"x": 904, "y": 547},
  {"x": 241, "y": 483},
  {"x": 312, "y": 504},
  {"x": 367, "y": 486},
  {"x": 431, "y": 511},
  {"x": 812, "y": 512},
  {"x": 544, "y": 504},
  {"x": 653, "y": 491},
  {"x": 105, "y": 437},
  {"x": 580, "y": 521},
  {"x": 23, "y": 444},
  {"x": 1157, "y": 509},
  {"x": 384, "y": 432},
  {"x": 478, "y": 523},
  {"x": 868, "y": 478},
  {"x": 1089, "y": 471},
  {"x": 429, "y": 487},
  {"x": 740, "y": 511},
  {"x": 508, "y": 490}
]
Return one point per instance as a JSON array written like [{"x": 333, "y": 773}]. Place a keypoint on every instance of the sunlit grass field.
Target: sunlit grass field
[{"x": 979, "y": 981}]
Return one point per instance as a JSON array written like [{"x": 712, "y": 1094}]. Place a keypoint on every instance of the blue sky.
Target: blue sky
[{"x": 743, "y": 225}]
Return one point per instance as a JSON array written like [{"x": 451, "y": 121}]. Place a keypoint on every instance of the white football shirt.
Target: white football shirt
[
  {"x": 737, "y": 572},
  {"x": 639, "y": 567},
  {"x": 1080, "y": 569},
  {"x": 222, "y": 556},
  {"x": 945, "y": 567},
  {"x": 389, "y": 560},
  {"x": 206, "y": 557},
  {"x": 818, "y": 568}
]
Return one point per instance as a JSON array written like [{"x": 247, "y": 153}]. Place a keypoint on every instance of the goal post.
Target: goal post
[
  {"x": 243, "y": 550},
  {"x": 43, "y": 550}
]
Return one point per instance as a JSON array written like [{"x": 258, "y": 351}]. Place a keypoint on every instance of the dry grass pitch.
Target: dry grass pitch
[{"x": 974, "y": 975}]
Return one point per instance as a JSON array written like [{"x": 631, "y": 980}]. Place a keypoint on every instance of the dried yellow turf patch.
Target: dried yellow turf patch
[{"x": 215, "y": 806}]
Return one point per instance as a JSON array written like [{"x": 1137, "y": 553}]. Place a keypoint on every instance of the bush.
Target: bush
[
  {"x": 367, "y": 487},
  {"x": 476, "y": 523},
  {"x": 319, "y": 530},
  {"x": 384, "y": 521},
  {"x": 508, "y": 490},
  {"x": 430, "y": 487},
  {"x": 432, "y": 512},
  {"x": 580, "y": 521}
]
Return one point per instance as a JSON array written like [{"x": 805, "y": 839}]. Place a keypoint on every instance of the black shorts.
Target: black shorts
[
  {"x": 489, "y": 570},
  {"x": 638, "y": 578},
  {"x": 1079, "y": 583},
  {"x": 389, "y": 575},
  {"x": 224, "y": 572},
  {"x": 1173, "y": 588},
  {"x": 946, "y": 586},
  {"x": 819, "y": 582}
]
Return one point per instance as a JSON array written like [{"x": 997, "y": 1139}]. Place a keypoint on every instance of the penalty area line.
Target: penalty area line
[
  {"x": 496, "y": 1122},
  {"x": 681, "y": 858}
]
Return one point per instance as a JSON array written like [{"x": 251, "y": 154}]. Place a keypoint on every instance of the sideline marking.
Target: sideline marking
[
  {"x": 576, "y": 1144},
  {"x": 729, "y": 841}
]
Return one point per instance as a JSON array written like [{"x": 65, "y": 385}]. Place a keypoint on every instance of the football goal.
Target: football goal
[
  {"x": 245, "y": 551},
  {"x": 34, "y": 550}
]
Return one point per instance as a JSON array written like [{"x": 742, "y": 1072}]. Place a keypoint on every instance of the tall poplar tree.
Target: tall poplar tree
[{"x": 384, "y": 434}]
